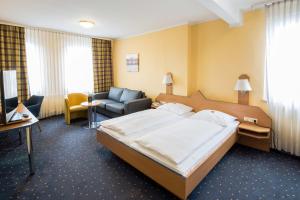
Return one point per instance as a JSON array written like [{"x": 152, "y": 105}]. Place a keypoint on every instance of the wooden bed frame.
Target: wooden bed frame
[{"x": 177, "y": 184}]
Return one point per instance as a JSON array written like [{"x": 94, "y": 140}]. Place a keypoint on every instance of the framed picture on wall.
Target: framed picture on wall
[{"x": 132, "y": 62}]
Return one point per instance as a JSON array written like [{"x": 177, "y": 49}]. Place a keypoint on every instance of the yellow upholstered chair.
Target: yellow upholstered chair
[{"x": 73, "y": 107}]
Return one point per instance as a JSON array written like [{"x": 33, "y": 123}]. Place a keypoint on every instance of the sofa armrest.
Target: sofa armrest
[
  {"x": 101, "y": 95},
  {"x": 137, "y": 105}
]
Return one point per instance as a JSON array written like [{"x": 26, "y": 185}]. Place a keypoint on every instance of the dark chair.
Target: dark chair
[{"x": 33, "y": 104}]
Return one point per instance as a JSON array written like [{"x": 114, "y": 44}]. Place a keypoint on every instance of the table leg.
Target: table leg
[
  {"x": 90, "y": 116},
  {"x": 30, "y": 150},
  {"x": 95, "y": 117}
]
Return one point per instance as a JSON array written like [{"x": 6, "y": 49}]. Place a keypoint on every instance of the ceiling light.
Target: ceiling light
[{"x": 86, "y": 24}]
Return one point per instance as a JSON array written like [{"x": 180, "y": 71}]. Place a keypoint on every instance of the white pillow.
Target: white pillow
[
  {"x": 165, "y": 106},
  {"x": 214, "y": 116},
  {"x": 176, "y": 108}
]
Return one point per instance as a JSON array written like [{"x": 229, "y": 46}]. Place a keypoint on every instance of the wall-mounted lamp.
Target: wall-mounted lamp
[
  {"x": 243, "y": 87},
  {"x": 168, "y": 81}
]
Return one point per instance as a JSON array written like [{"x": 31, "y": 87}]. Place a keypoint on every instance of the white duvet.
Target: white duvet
[
  {"x": 176, "y": 142},
  {"x": 140, "y": 121}
]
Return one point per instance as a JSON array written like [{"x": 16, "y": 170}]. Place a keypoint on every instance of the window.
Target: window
[{"x": 58, "y": 63}]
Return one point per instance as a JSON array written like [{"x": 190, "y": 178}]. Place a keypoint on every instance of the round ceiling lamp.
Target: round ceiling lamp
[{"x": 86, "y": 23}]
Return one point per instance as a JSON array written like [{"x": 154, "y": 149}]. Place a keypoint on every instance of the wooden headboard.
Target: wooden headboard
[{"x": 199, "y": 102}]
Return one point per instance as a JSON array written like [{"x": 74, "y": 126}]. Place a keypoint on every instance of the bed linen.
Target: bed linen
[
  {"x": 144, "y": 130},
  {"x": 140, "y": 121},
  {"x": 198, "y": 157},
  {"x": 177, "y": 141}
]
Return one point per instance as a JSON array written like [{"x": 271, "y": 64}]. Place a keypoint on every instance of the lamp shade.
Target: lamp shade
[
  {"x": 242, "y": 85},
  {"x": 167, "y": 79}
]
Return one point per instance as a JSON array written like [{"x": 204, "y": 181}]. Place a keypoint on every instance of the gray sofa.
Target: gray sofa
[{"x": 121, "y": 101}]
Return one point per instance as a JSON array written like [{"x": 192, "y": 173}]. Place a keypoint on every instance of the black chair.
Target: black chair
[{"x": 33, "y": 104}]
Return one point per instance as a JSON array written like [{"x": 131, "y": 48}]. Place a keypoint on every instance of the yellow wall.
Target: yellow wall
[
  {"x": 207, "y": 57},
  {"x": 220, "y": 54},
  {"x": 159, "y": 52}
]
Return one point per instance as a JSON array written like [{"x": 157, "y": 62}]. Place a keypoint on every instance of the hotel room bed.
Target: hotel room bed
[
  {"x": 141, "y": 123},
  {"x": 182, "y": 177},
  {"x": 194, "y": 159}
]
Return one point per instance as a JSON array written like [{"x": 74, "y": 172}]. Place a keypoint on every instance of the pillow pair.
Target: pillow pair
[
  {"x": 214, "y": 116},
  {"x": 176, "y": 108}
]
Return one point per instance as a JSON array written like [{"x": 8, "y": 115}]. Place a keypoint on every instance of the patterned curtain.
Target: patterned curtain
[
  {"x": 103, "y": 76},
  {"x": 13, "y": 55}
]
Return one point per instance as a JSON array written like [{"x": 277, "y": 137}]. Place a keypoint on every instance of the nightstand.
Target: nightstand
[{"x": 254, "y": 136}]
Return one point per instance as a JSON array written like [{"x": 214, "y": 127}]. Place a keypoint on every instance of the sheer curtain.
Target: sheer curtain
[
  {"x": 58, "y": 63},
  {"x": 282, "y": 82}
]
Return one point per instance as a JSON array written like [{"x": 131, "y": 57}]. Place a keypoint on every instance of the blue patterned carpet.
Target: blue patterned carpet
[{"x": 70, "y": 164}]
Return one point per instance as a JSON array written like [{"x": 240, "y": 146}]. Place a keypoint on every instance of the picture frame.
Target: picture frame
[{"x": 132, "y": 62}]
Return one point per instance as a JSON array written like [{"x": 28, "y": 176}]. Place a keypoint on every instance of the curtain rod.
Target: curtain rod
[
  {"x": 265, "y": 3},
  {"x": 53, "y": 30}
]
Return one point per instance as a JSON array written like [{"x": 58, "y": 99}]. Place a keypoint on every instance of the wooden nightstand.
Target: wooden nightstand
[{"x": 254, "y": 136}]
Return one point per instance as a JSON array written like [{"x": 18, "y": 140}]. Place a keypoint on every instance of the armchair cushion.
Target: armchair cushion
[
  {"x": 106, "y": 101},
  {"x": 77, "y": 108},
  {"x": 115, "y": 93},
  {"x": 115, "y": 107},
  {"x": 129, "y": 95}
]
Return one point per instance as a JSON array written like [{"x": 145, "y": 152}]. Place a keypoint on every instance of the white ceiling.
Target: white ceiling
[{"x": 113, "y": 18}]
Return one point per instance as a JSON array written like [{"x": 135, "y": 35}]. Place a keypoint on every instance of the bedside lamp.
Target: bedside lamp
[
  {"x": 168, "y": 81},
  {"x": 243, "y": 87}
]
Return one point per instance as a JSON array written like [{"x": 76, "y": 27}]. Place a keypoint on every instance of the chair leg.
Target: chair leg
[
  {"x": 39, "y": 125},
  {"x": 20, "y": 137}
]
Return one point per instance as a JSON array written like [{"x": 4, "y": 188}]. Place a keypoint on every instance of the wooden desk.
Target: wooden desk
[{"x": 25, "y": 124}]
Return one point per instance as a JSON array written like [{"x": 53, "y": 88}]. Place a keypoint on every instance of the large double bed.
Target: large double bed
[{"x": 176, "y": 150}]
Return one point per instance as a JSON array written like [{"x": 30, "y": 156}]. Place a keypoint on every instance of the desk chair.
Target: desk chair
[{"x": 33, "y": 104}]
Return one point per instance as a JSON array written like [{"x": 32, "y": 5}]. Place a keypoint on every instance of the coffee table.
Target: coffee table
[{"x": 92, "y": 114}]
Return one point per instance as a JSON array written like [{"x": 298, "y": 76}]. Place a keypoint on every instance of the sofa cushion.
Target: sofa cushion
[
  {"x": 115, "y": 107},
  {"x": 115, "y": 93},
  {"x": 103, "y": 102},
  {"x": 130, "y": 95}
]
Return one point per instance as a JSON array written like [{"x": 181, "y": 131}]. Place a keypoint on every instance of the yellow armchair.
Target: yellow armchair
[{"x": 73, "y": 107}]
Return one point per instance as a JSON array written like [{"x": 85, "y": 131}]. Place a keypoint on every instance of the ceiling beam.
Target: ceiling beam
[{"x": 226, "y": 10}]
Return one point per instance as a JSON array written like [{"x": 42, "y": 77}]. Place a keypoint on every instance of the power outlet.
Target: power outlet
[{"x": 251, "y": 120}]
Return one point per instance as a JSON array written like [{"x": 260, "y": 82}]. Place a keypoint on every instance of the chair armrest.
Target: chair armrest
[
  {"x": 137, "y": 105},
  {"x": 101, "y": 95},
  {"x": 34, "y": 109},
  {"x": 67, "y": 103}
]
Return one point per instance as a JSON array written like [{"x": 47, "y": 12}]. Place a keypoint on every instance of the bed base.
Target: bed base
[{"x": 175, "y": 183}]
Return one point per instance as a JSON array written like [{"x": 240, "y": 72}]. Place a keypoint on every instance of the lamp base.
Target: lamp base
[
  {"x": 169, "y": 89},
  {"x": 243, "y": 98}
]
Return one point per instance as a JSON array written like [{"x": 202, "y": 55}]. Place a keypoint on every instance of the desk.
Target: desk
[{"x": 25, "y": 124}]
